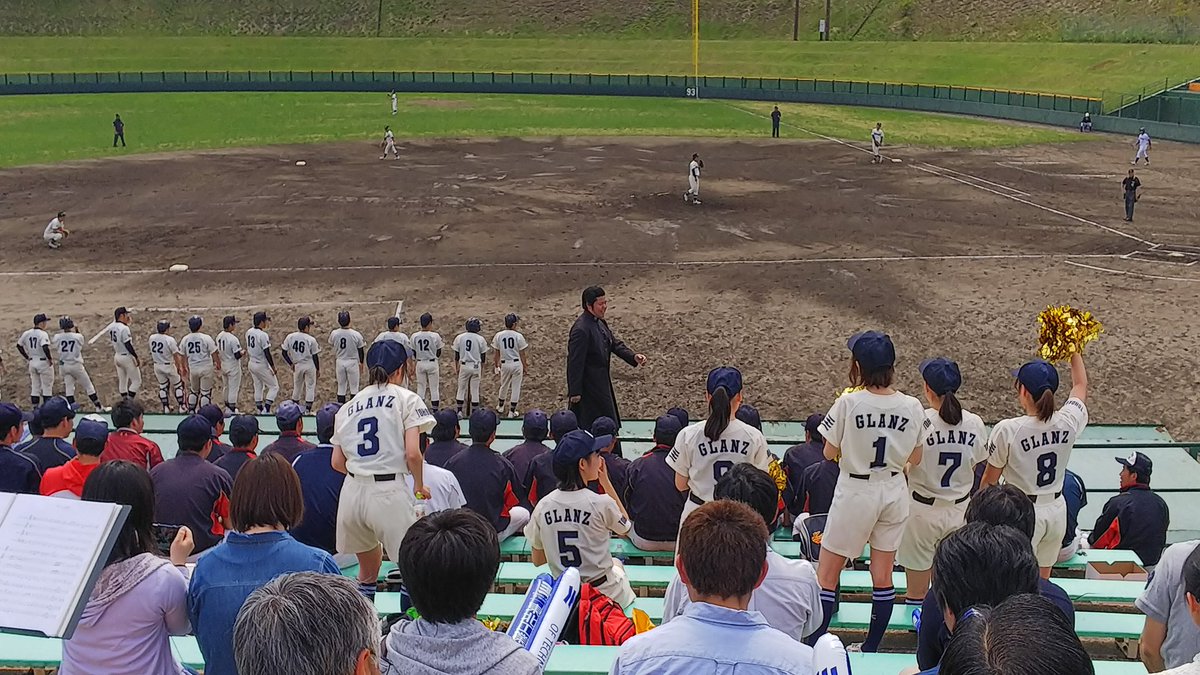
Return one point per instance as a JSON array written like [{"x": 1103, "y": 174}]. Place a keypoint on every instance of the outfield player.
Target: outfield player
[
  {"x": 376, "y": 443},
  {"x": 393, "y": 333},
  {"x": 509, "y": 362},
  {"x": 389, "y": 144},
  {"x": 34, "y": 346},
  {"x": 169, "y": 367},
  {"x": 203, "y": 360},
  {"x": 693, "y": 192},
  {"x": 262, "y": 366},
  {"x": 1142, "y": 142},
  {"x": 56, "y": 231},
  {"x": 349, "y": 352},
  {"x": 571, "y": 526},
  {"x": 469, "y": 350},
  {"x": 427, "y": 349},
  {"x": 953, "y": 441},
  {"x": 68, "y": 344},
  {"x": 877, "y": 143},
  {"x": 876, "y": 431},
  {"x": 704, "y": 451},
  {"x": 1031, "y": 452},
  {"x": 125, "y": 358},
  {"x": 300, "y": 350},
  {"x": 231, "y": 362},
  {"x": 395, "y": 103}
]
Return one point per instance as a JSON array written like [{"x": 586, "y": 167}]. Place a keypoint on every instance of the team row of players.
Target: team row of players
[{"x": 187, "y": 369}]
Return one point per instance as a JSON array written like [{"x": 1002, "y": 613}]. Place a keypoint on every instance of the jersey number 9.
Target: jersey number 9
[{"x": 369, "y": 428}]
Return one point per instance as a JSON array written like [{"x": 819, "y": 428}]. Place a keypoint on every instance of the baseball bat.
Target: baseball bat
[{"x": 97, "y": 336}]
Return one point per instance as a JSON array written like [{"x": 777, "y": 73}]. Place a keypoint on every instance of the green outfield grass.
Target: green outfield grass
[
  {"x": 47, "y": 129},
  {"x": 1081, "y": 69}
]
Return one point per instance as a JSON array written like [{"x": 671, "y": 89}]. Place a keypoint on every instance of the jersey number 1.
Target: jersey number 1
[{"x": 880, "y": 446}]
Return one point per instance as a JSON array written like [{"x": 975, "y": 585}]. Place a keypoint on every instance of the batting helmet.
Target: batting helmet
[
  {"x": 66, "y": 323},
  {"x": 343, "y": 318},
  {"x": 229, "y": 321},
  {"x": 474, "y": 325},
  {"x": 195, "y": 323},
  {"x": 163, "y": 326},
  {"x": 426, "y": 319},
  {"x": 304, "y": 322},
  {"x": 511, "y": 320}
]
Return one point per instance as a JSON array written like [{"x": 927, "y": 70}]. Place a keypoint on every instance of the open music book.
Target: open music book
[{"x": 51, "y": 554}]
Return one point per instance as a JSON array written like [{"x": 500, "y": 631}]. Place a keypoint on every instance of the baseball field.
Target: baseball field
[{"x": 515, "y": 203}]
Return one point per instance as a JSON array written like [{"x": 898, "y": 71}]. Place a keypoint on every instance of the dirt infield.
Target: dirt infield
[{"x": 797, "y": 245}]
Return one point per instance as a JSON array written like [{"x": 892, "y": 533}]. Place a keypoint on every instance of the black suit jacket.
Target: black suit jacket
[{"x": 589, "y": 348}]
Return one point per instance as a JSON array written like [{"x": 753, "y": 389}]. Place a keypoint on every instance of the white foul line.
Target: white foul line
[
  {"x": 261, "y": 305},
  {"x": 1129, "y": 274}
]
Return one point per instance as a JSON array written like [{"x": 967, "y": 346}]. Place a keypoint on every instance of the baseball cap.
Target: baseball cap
[
  {"x": 474, "y": 325},
  {"x": 680, "y": 414},
  {"x": 229, "y": 320},
  {"x": 1037, "y": 376},
  {"x": 447, "y": 424},
  {"x": 666, "y": 428},
  {"x": 576, "y": 445},
  {"x": 260, "y": 317},
  {"x": 54, "y": 411},
  {"x": 39, "y": 318},
  {"x": 304, "y": 322},
  {"x": 724, "y": 376},
  {"x": 326, "y": 417},
  {"x": 91, "y": 429},
  {"x": 193, "y": 431},
  {"x": 942, "y": 375},
  {"x": 604, "y": 426},
  {"x": 246, "y": 425},
  {"x": 11, "y": 416},
  {"x": 483, "y": 422},
  {"x": 163, "y": 326},
  {"x": 66, "y": 323},
  {"x": 511, "y": 320},
  {"x": 535, "y": 419},
  {"x": 343, "y": 318},
  {"x": 1137, "y": 463},
  {"x": 393, "y": 322},
  {"x": 195, "y": 322},
  {"x": 288, "y": 413},
  {"x": 387, "y": 354},
  {"x": 749, "y": 414},
  {"x": 562, "y": 422},
  {"x": 813, "y": 423},
  {"x": 873, "y": 350},
  {"x": 212, "y": 413}
]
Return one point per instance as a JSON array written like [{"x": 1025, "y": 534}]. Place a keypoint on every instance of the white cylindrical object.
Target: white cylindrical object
[
  {"x": 554, "y": 618},
  {"x": 525, "y": 621}
]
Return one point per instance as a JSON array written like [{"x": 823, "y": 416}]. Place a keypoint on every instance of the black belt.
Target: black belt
[
  {"x": 1034, "y": 498},
  {"x": 600, "y": 580},
  {"x": 509, "y": 361},
  {"x": 928, "y": 501},
  {"x": 695, "y": 500},
  {"x": 865, "y": 476},
  {"x": 378, "y": 478}
]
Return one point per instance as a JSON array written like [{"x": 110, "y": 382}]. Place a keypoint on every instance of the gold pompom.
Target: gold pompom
[
  {"x": 493, "y": 624},
  {"x": 1064, "y": 331},
  {"x": 848, "y": 390},
  {"x": 776, "y": 471}
]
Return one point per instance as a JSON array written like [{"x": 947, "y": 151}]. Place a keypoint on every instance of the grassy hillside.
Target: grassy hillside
[
  {"x": 1096, "y": 20},
  {"x": 1081, "y": 69}
]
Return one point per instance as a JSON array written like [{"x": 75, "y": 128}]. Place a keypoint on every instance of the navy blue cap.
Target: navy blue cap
[
  {"x": 680, "y": 414},
  {"x": 474, "y": 325},
  {"x": 446, "y": 426},
  {"x": 426, "y": 319},
  {"x": 873, "y": 350},
  {"x": 11, "y": 416},
  {"x": 666, "y": 428},
  {"x": 326, "y": 417},
  {"x": 813, "y": 423},
  {"x": 483, "y": 422},
  {"x": 288, "y": 413},
  {"x": 243, "y": 425},
  {"x": 1137, "y": 463},
  {"x": 577, "y": 445},
  {"x": 535, "y": 419},
  {"x": 749, "y": 414},
  {"x": 387, "y": 354},
  {"x": 562, "y": 422},
  {"x": 92, "y": 430},
  {"x": 511, "y": 320},
  {"x": 1037, "y": 376},
  {"x": 260, "y": 317},
  {"x": 730, "y": 378},
  {"x": 343, "y": 318},
  {"x": 195, "y": 322},
  {"x": 54, "y": 411},
  {"x": 303, "y": 322},
  {"x": 604, "y": 426},
  {"x": 211, "y": 412},
  {"x": 40, "y": 318},
  {"x": 193, "y": 431},
  {"x": 942, "y": 375}
]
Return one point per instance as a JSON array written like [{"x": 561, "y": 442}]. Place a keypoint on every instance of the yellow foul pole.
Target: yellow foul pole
[{"x": 696, "y": 46}]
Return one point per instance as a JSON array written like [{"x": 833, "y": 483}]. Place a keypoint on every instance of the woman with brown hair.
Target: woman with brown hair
[{"x": 266, "y": 502}]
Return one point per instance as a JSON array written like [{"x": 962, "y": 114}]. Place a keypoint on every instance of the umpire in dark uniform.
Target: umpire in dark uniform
[
  {"x": 589, "y": 347},
  {"x": 1136, "y": 519},
  {"x": 1131, "y": 185}
]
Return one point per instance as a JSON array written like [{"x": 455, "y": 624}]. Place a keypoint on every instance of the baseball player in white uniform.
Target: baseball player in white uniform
[
  {"x": 262, "y": 366},
  {"x": 1142, "y": 142},
  {"x": 68, "y": 345},
  {"x": 389, "y": 144},
  {"x": 56, "y": 231},
  {"x": 376, "y": 443},
  {"x": 693, "y": 192},
  {"x": 395, "y": 103},
  {"x": 34, "y": 345},
  {"x": 953, "y": 441},
  {"x": 231, "y": 353},
  {"x": 509, "y": 362},
  {"x": 427, "y": 349},
  {"x": 300, "y": 350},
  {"x": 203, "y": 361},
  {"x": 469, "y": 350},
  {"x": 169, "y": 367},
  {"x": 349, "y": 353},
  {"x": 393, "y": 333},
  {"x": 877, "y": 143},
  {"x": 1032, "y": 451},
  {"x": 704, "y": 451},
  {"x": 876, "y": 431},
  {"x": 125, "y": 358}
]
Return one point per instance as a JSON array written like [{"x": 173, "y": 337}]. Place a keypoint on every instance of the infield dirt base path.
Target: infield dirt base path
[{"x": 796, "y": 246}]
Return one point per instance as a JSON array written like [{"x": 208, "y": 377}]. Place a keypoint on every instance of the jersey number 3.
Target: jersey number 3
[{"x": 369, "y": 428}]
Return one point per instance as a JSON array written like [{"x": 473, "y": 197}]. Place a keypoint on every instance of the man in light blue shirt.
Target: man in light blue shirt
[{"x": 721, "y": 560}]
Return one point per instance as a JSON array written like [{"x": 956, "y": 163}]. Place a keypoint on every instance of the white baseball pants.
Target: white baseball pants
[
  {"x": 694, "y": 186},
  {"x": 468, "y": 380},
  {"x": 429, "y": 376},
  {"x": 1142, "y": 153},
  {"x": 129, "y": 378},
  {"x": 53, "y": 240},
  {"x": 200, "y": 385},
  {"x": 347, "y": 376},
  {"x": 75, "y": 374},
  {"x": 264, "y": 380},
  {"x": 233, "y": 383},
  {"x": 168, "y": 380},
  {"x": 512, "y": 374},
  {"x": 41, "y": 378},
  {"x": 304, "y": 379}
]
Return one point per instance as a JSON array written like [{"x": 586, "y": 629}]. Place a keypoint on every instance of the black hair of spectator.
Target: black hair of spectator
[
  {"x": 1024, "y": 634},
  {"x": 122, "y": 482},
  {"x": 982, "y": 564},
  {"x": 1002, "y": 505},
  {"x": 448, "y": 561},
  {"x": 753, "y": 487},
  {"x": 126, "y": 411}
]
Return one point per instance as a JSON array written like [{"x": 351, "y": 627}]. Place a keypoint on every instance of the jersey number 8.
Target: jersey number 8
[
  {"x": 342, "y": 343},
  {"x": 1047, "y": 465}
]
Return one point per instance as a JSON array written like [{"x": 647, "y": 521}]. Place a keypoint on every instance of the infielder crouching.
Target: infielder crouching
[
  {"x": 203, "y": 361},
  {"x": 56, "y": 231},
  {"x": 300, "y": 350},
  {"x": 68, "y": 344},
  {"x": 34, "y": 346},
  {"x": 469, "y": 350},
  {"x": 169, "y": 367},
  {"x": 231, "y": 353},
  {"x": 509, "y": 362},
  {"x": 348, "y": 348},
  {"x": 262, "y": 365},
  {"x": 427, "y": 349}
]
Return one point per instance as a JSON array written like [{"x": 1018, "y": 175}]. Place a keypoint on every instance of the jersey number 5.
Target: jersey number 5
[
  {"x": 568, "y": 554},
  {"x": 369, "y": 428}
]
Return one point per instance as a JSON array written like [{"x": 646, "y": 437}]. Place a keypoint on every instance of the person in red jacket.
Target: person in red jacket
[
  {"x": 127, "y": 442},
  {"x": 67, "y": 480},
  {"x": 1136, "y": 519}
]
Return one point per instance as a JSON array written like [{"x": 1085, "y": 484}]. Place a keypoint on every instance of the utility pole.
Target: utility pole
[
  {"x": 828, "y": 22},
  {"x": 796, "y": 21},
  {"x": 379, "y": 20}
]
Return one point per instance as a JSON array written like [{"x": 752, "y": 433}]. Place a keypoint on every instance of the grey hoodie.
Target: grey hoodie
[{"x": 465, "y": 648}]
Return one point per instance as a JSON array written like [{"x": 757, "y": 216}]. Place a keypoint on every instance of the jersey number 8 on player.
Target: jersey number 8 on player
[{"x": 369, "y": 428}]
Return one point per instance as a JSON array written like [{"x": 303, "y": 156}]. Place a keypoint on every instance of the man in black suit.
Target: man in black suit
[{"x": 589, "y": 383}]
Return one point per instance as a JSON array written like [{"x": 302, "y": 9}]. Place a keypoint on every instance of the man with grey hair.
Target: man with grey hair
[{"x": 307, "y": 624}]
